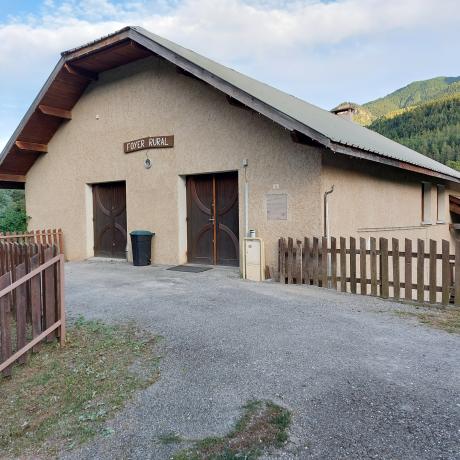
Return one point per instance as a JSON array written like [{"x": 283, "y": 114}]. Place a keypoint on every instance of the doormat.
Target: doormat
[{"x": 189, "y": 268}]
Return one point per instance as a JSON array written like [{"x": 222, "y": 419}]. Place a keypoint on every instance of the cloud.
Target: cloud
[{"x": 323, "y": 51}]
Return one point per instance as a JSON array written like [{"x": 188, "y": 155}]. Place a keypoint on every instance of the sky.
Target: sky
[{"x": 325, "y": 52}]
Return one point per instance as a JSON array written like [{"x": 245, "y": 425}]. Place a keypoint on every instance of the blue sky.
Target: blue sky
[{"x": 322, "y": 51}]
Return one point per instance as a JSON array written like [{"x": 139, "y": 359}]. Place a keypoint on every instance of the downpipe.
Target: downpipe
[{"x": 326, "y": 230}]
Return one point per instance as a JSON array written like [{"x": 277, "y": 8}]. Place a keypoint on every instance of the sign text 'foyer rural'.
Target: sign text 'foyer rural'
[{"x": 156, "y": 142}]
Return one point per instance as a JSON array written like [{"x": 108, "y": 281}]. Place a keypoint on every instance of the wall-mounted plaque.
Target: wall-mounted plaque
[
  {"x": 155, "y": 142},
  {"x": 276, "y": 206}
]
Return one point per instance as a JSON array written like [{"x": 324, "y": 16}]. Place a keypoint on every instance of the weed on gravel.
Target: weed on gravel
[
  {"x": 263, "y": 425},
  {"x": 447, "y": 319},
  {"x": 62, "y": 396}
]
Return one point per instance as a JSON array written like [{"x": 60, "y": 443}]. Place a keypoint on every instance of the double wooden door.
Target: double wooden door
[
  {"x": 212, "y": 219},
  {"x": 109, "y": 217}
]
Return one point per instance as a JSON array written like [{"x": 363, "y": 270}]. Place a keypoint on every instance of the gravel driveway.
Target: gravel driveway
[{"x": 360, "y": 381}]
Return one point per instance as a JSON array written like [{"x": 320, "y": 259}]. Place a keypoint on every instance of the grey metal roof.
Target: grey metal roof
[
  {"x": 336, "y": 128},
  {"x": 293, "y": 113}
]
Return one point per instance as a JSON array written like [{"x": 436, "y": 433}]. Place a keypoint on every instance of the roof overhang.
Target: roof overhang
[
  {"x": 78, "y": 67},
  {"x": 454, "y": 204}
]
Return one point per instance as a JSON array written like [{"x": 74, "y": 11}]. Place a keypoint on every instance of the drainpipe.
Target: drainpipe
[
  {"x": 246, "y": 199},
  {"x": 326, "y": 212},
  {"x": 326, "y": 232}
]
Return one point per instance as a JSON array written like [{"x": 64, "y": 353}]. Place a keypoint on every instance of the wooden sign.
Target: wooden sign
[{"x": 156, "y": 142}]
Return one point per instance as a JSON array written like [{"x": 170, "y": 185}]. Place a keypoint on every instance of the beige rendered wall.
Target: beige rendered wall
[
  {"x": 376, "y": 200},
  {"x": 150, "y": 98}
]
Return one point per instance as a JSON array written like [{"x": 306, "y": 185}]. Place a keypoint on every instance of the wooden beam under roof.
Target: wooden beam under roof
[
  {"x": 31, "y": 146},
  {"x": 55, "y": 112},
  {"x": 12, "y": 178},
  {"x": 80, "y": 72},
  {"x": 454, "y": 204}
]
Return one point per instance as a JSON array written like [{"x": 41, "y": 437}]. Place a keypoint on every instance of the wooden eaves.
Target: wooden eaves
[{"x": 80, "y": 67}]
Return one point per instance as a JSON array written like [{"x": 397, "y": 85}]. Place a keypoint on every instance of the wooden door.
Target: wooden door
[
  {"x": 212, "y": 219},
  {"x": 109, "y": 211}
]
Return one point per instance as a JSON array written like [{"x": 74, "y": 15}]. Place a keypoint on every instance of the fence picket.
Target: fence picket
[
  {"x": 298, "y": 263},
  {"x": 353, "y": 265},
  {"x": 362, "y": 266},
  {"x": 35, "y": 303},
  {"x": 316, "y": 262},
  {"x": 432, "y": 276},
  {"x": 395, "y": 259},
  {"x": 384, "y": 286},
  {"x": 420, "y": 270},
  {"x": 457, "y": 274},
  {"x": 49, "y": 308},
  {"x": 315, "y": 250},
  {"x": 282, "y": 260},
  {"x": 343, "y": 264},
  {"x": 445, "y": 273},
  {"x": 333, "y": 263},
  {"x": 373, "y": 258},
  {"x": 21, "y": 311},
  {"x": 5, "y": 323},
  {"x": 408, "y": 269},
  {"x": 306, "y": 260},
  {"x": 324, "y": 263}
]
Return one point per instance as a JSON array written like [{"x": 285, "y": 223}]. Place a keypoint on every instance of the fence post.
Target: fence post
[{"x": 62, "y": 332}]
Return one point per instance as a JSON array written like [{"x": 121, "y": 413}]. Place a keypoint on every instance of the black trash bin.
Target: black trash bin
[{"x": 141, "y": 242}]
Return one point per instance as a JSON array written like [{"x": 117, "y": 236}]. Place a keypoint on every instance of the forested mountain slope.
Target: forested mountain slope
[{"x": 424, "y": 115}]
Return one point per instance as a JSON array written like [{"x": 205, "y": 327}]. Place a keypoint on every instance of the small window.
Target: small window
[
  {"x": 441, "y": 204},
  {"x": 426, "y": 203}
]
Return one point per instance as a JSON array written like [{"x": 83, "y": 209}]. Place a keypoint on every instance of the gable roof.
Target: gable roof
[{"x": 79, "y": 66}]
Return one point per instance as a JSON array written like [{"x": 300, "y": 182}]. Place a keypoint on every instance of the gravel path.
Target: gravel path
[{"x": 360, "y": 381}]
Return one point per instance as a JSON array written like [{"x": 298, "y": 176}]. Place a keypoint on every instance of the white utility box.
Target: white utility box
[{"x": 254, "y": 259}]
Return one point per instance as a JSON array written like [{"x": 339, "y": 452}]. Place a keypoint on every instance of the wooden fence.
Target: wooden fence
[
  {"x": 51, "y": 237},
  {"x": 31, "y": 300},
  {"x": 404, "y": 272}
]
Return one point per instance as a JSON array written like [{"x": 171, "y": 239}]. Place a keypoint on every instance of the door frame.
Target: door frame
[{"x": 187, "y": 207}]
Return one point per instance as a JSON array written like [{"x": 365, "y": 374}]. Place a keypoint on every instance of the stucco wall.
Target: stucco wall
[
  {"x": 376, "y": 200},
  {"x": 150, "y": 98}
]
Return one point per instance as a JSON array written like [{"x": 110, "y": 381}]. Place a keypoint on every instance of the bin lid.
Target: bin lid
[{"x": 141, "y": 233}]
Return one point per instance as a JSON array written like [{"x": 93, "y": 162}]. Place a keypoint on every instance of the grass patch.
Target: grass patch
[
  {"x": 447, "y": 319},
  {"x": 170, "y": 438},
  {"x": 62, "y": 396},
  {"x": 262, "y": 425}
]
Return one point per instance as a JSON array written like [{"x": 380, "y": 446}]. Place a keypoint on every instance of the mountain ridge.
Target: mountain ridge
[{"x": 423, "y": 115}]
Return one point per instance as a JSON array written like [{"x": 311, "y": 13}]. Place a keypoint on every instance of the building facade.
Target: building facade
[{"x": 147, "y": 144}]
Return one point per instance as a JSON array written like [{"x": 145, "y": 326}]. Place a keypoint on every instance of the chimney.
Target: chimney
[{"x": 345, "y": 111}]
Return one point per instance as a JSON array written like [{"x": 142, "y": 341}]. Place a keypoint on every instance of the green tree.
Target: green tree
[{"x": 13, "y": 217}]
